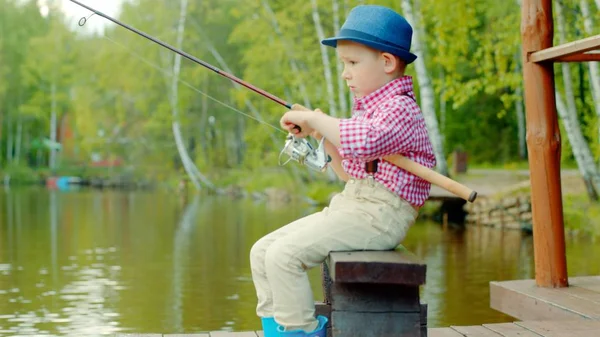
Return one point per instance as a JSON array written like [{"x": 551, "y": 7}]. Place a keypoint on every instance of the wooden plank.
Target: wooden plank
[
  {"x": 423, "y": 311},
  {"x": 323, "y": 309},
  {"x": 581, "y": 293},
  {"x": 563, "y": 297},
  {"x": 443, "y": 332},
  {"x": 187, "y": 335},
  {"x": 140, "y": 335},
  {"x": 588, "y": 282},
  {"x": 581, "y": 57},
  {"x": 579, "y": 46},
  {"x": 579, "y": 328},
  {"x": 260, "y": 333},
  {"x": 393, "y": 267},
  {"x": 526, "y": 301},
  {"x": 365, "y": 297},
  {"x": 232, "y": 334},
  {"x": 475, "y": 331},
  {"x": 524, "y": 307},
  {"x": 511, "y": 330},
  {"x": 348, "y": 324}
]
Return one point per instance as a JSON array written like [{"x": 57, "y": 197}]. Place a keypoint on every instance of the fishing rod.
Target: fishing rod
[
  {"x": 184, "y": 54},
  {"x": 300, "y": 149}
]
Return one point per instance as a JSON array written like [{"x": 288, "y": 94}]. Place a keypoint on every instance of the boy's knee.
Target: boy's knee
[
  {"x": 258, "y": 252},
  {"x": 278, "y": 255}
]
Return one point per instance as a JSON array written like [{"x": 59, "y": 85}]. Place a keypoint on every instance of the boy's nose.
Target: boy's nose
[{"x": 345, "y": 74}]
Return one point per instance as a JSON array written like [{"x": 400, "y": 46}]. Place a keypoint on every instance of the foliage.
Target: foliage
[
  {"x": 111, "y": 88},
  {"x": 581, "y": 215},
  {"x": 322, "y": 193},
  {"x": 19, "y": 173}
]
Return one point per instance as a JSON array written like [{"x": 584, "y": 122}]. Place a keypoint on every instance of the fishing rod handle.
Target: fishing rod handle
[
  {"x": 297, "y": 106},
  {"x": 423, "y": 172}
]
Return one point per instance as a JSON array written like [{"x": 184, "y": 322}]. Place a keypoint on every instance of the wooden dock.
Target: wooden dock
[
  {"x": 525, "y": 301},
  {"x": 522, "y": 329},
  {"x": 573, "y": 311},
  {"x": 574, "y": 328}
]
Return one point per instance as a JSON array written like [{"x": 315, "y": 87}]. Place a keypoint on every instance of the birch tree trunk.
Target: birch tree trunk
[
  {"x": 581, "y": 151},
  {"x": 190, "y": 168},
  {"x": 426, "y": 90},
  {"x": 443, "y": 108},
  {"x": 325, "y": 57},
  {"x": 53, "y": 112},
  {"x": 520, "y": 111},
  {"x": 568, "y": 112},
  {"x": 346, "y": 12},
  {"x": 343, "y": 101},
  {"x": 346, "y": 8},
  {"x": 9, "y": 140},
  {"x": 18, "y": 140},
  {"x": 593, "y": 66},
  {"x": 1, "y": 130},
  {"x": 289, "y": 52}
]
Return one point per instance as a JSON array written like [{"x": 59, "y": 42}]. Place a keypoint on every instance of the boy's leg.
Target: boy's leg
[
  {"x": 363, "y": 217},
  {"x": 258, "y": 251}
]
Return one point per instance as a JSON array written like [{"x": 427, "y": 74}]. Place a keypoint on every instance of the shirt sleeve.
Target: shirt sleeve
[{"x": 387, "y": 131}]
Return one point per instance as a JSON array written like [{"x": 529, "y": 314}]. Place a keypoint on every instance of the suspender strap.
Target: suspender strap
[{"x": 371, "y": 166}]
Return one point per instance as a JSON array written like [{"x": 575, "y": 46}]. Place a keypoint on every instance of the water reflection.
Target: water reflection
[
  {"x": 180, "y": 261},
  {"x": 98, "y": 262}
]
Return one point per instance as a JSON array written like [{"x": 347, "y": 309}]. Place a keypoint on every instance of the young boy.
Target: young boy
[{"x": 375, "y": 209}]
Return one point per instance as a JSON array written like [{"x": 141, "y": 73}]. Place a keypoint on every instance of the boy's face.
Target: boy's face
[{"x": 365, "y": 69}]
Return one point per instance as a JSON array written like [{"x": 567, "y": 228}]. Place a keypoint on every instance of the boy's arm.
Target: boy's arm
[
  {"x": 329, "y": 127},
  {"x": 389, "y": 130}
]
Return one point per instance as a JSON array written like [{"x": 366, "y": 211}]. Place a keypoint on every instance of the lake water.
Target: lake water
[{"x": 92, "y": 263}]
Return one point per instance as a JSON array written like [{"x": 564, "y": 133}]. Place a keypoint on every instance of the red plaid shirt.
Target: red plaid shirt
[{"x": 388, "y": 121}]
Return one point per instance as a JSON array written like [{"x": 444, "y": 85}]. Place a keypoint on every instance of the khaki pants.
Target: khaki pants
[{"x": 364, "y": 216}]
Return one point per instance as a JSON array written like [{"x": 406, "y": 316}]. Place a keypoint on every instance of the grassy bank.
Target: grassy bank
[
  {"x": 582, "y": 216},
  {"x": 23, "y": 175}
]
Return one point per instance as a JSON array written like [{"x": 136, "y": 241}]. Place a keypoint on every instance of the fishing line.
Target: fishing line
[
  {"x": 299, "y": 149},
  {"x": 166, "y": 72}
]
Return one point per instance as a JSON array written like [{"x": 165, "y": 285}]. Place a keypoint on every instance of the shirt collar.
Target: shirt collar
[{"x": 399, "y": 86}]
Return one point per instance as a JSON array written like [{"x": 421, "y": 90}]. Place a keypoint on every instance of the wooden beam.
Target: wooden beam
[
  {"x": 390, "y": 267},
  {"x": 543, "y": 143},
  {"x": 581, "y": 57},
  {"x": 552, "y": 53}
]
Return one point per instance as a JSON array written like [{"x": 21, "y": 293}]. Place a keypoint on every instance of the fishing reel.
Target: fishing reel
[{"x": 300, "y": 150}]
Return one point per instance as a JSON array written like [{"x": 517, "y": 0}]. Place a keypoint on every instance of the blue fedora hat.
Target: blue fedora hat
[{"x": 379, "y": 28}]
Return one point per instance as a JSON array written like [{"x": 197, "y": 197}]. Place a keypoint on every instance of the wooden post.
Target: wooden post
[{"x": 543, "y": 143}]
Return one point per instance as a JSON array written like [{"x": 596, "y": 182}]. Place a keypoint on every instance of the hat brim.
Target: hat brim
[{"x": 407, "y": 56}]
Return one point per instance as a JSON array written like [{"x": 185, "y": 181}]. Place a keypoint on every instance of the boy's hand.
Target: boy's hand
[{"x": 300, "y": 118}]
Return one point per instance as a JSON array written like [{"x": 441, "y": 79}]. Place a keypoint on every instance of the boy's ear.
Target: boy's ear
[{"x": 391, "y": 62}]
